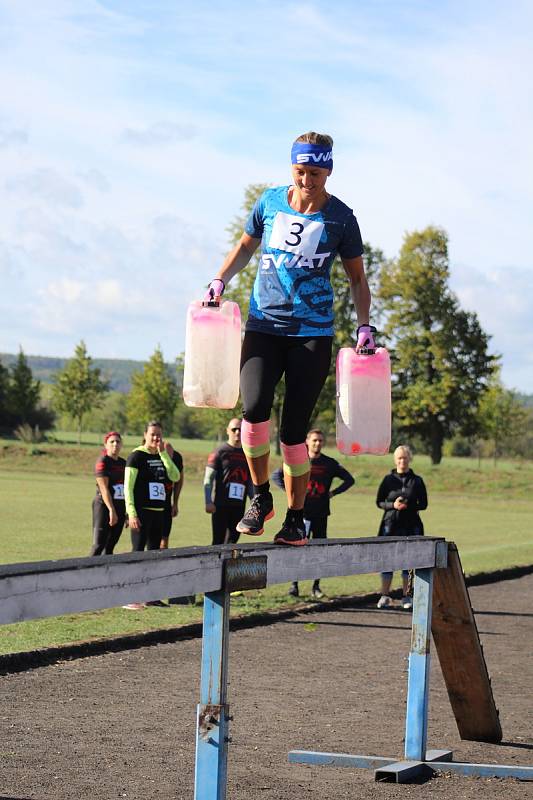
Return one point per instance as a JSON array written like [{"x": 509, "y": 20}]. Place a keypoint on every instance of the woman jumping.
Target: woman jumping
[{"x": 301, "y": 228}]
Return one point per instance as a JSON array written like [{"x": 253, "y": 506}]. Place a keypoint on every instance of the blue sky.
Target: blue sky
[{"x": 129, "y": 130}]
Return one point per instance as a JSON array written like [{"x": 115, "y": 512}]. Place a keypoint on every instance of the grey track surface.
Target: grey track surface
[{"x": 122, "y": 724}]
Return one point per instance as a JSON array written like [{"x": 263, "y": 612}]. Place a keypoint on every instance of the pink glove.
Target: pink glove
[
  {"x": 215, "y": 289},
  {"x": 365, "y": 337}
]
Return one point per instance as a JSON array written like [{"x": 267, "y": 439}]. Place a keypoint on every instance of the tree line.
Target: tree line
[{"x": 447, "y": 390}]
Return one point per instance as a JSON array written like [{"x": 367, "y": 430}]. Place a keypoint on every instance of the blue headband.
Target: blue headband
[{"x": 316, "y": 155}]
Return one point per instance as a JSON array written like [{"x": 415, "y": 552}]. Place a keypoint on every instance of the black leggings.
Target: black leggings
[
  {"x": 150, "y": 534},
  {"x": 305, "y": 362},
  {"x": 105, "y": 537},
  {"x": 224, "y": 524}
]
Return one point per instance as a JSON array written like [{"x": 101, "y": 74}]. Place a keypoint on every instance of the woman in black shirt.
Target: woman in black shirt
[
  {"x": 109, "y": 508},
  {"x": 401, "y": 495}
]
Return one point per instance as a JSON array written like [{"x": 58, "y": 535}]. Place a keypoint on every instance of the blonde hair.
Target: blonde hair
[
  {"x": 311, "y": 137},
  {"x": 406, "y": 449}
]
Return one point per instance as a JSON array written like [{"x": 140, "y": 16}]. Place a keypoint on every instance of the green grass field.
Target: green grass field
[{"x": 46, "y": 514}]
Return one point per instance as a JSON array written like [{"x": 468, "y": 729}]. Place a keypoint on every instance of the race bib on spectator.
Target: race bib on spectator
[
  {"x": 118, "y": 491},
  {"x": 236, "y": 491},
  {"x": 156, "y": 491}
]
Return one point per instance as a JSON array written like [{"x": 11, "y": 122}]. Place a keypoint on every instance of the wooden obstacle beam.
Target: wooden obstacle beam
[
  {"x": 29, "y": 591},
  {"x": 461, "y": 655},
  {"x": 47, "y": 588}
]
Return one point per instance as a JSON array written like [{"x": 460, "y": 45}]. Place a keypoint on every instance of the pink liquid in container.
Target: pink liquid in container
[
  {"x": 212, "y": 355},
  {"x": 363, "y": 402}
]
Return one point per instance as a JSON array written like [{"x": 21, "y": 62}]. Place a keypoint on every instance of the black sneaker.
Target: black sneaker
[
  {"x": 261, "y": 509},
  {"x": 291, "y": 533},
  {"x": 294, "y": 591}
]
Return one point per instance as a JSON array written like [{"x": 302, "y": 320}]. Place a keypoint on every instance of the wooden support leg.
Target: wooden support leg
[
  {"x": 213, "y": 710},
  {"x": 418, "y": 682},
  {"x": 461, "y": 656}
]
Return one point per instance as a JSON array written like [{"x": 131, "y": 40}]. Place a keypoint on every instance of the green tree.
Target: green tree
[
  {"x": 23, "y": 392},
  {"x": 4, "y": 388},
  {"x": 441, "y": 363},
  {"x": 153, "y": 395},
  {"x": 503, "y": 419},
  {"x": 78, "y": 388},
  {"x": 110, "y": 416}
]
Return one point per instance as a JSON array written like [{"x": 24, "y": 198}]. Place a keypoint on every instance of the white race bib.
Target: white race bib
[
  {"x": 156, "y": 491},
  {"x": 118, "y": 491},
  {"x": 294, "y": 234},
  {"x": 236, "y": 491}
]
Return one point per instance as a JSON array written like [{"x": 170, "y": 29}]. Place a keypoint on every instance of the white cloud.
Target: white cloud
[
  {"x": 64, "y": 292},
  {"x": 48, "y": 185},
  {"x": 95, "y": 179},
  {"x": 12, "y": 137},
  {"x": 502, "y": 300},
  {"x": 127, "y": 138},
  {"x": 159, "y": 133}
]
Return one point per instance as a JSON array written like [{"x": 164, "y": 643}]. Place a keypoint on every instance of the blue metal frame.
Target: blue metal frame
[
  {"x": 416, "y": 721},
  {"x": 418, "y": 761},
  {"x": 213, "y": 710}
]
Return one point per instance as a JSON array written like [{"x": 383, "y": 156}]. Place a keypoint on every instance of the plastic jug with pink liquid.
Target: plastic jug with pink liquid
[
  {"x": 212, "y": 355},
  {"x": 363, "y": 401}
]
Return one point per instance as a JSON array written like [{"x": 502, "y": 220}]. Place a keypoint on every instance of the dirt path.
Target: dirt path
[{"x": 122, "y": 725}]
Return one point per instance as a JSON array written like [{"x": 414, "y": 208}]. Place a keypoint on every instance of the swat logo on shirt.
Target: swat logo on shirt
[{"x": 296, "y": 235}]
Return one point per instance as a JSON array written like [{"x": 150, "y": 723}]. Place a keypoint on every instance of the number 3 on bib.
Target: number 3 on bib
[{"x": 294, "y": 234}]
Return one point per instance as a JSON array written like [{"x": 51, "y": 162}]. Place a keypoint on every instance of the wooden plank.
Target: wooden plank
[
  {"x": 46, "y": 589},
  {"x": 330, "y": 558},
  {"x": 86, "y": 584},
  {"x": 461, "y": 656}
]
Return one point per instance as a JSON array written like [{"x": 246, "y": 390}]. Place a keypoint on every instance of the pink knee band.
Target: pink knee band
[
  {"x": 295, "y": 459},
  {"x": 255, "y": 438},
  {"x": 294, "y": 454},
  {"x": 254, "y": 433}
]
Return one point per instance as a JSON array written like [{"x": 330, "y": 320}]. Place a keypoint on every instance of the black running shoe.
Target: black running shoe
[
  {"x": 291, "y": 533},
  {"x": 261, "y": 509}
]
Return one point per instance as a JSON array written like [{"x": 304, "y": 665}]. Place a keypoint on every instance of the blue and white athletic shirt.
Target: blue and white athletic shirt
[{"x": 292, "y": 293}]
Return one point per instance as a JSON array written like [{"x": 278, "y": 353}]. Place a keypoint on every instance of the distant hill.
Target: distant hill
[
  {"x": 525, "y": 399},
  {"x": 115, "y": 370}
]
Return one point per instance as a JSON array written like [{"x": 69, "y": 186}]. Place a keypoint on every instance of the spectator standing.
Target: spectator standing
[
  {"x": 401, "y": 495},
  {"x": 148, "y": 468},
  {"x": 316, "y": 505},
  {"x": 227, "y": 483},
  {"x": 109, "y": 508}
]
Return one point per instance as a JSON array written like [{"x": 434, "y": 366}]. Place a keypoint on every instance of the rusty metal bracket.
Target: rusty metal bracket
[
  {"x": 245, "y": 572},
  {"x": 210, "y": 718}
]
